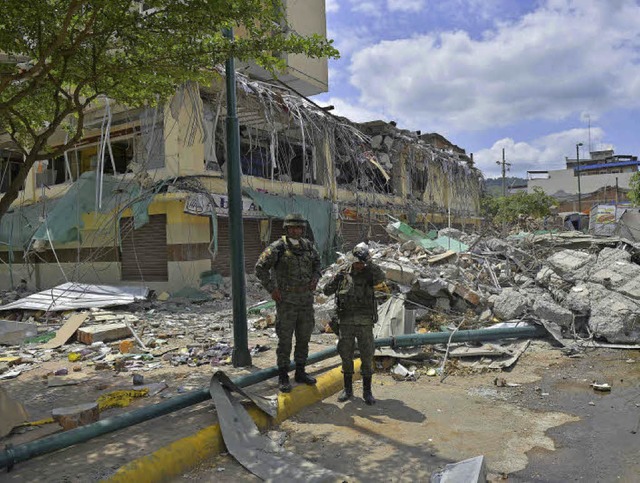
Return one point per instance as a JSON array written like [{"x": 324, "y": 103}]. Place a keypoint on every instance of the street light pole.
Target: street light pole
[
  {"x": 579, "y": 191},
  {"x": 240, "y": 357}
]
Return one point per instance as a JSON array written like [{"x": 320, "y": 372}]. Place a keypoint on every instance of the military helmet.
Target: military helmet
[
  {"x": 361, "y": 252},
  {"x": 294, "y": 219}
]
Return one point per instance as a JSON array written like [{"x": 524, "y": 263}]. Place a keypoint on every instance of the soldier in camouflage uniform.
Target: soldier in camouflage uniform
[
  {"x": 296, "y": 265},
  {"x": 357, "y": 313}
]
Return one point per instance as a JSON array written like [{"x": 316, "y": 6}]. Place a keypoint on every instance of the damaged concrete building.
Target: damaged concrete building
[{"x": 142, "y": 198}]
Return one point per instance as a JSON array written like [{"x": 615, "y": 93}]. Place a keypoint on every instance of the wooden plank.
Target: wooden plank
[{"x": 66, "y": 331}]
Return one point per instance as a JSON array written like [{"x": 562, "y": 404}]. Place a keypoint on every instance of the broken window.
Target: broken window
[{"x": 9, "y": 168}]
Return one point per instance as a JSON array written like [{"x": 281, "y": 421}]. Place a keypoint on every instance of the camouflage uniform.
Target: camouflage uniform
[
  {"x": 297, "y": 270},
  {"x": 357, "y": 311}
]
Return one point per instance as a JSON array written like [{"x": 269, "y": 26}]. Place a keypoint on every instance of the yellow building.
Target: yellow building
[{"x": 144, "y": 201}]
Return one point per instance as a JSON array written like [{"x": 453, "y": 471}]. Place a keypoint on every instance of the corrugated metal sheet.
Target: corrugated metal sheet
[
  {"x": 71, "y": 296},
  {"x": 144, "y": 251}
]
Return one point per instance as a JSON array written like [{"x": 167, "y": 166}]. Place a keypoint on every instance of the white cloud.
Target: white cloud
[
  {"x": 352, "y": 111},
  {"x": 332, "y": 6},
  {"x": 564, "y": 58},
  {"x": 351, "y": 40},
  {"x": 367, "y": 7},
  {"x": 405, "y": 5},
  {"x": 547, "y": 152}
]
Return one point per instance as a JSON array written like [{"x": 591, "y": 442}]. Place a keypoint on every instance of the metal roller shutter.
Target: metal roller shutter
[
  {"x": 144, "y": 251},
  {"x": 352, "y": 234},
  {"x": 355, "y": 232},
  {"x": 252, "y": 246}
]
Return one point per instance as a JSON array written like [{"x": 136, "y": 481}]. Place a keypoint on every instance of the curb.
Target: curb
[{"x": 186, "y": 453}]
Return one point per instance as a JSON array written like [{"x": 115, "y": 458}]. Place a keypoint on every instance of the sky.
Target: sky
[{"x": 529, "y": 76}]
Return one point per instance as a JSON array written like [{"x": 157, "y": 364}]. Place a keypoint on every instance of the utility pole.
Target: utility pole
[
  {"x": 241, "y": 356},
  {"x": 505, "y": 167},
  {"x": 579, "y": 190}
]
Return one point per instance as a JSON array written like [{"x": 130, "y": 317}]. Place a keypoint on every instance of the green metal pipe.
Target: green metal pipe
[{"x": 23, "y": 452}]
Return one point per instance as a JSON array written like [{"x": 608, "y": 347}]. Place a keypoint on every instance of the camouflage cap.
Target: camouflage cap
[{"x": 294, "y": 219}]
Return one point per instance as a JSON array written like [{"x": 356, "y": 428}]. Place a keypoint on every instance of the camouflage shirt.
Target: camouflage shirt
[
  {"x": 296, "y": 269},
  {"x": 354, "y": 291}
]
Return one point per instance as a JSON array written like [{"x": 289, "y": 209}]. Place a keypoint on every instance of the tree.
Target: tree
[
  {"x": 509, "y": 208},
  {"x": 634, "y": 185},
  {"x": 67, "y": 53}
]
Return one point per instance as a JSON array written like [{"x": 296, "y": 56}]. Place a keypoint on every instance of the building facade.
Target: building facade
[
  {"x": 145, "y": 201},
  {"x": 602, "y": 172}
]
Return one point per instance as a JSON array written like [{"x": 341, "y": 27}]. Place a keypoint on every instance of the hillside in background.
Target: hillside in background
[{"x": 494, "y": 185}]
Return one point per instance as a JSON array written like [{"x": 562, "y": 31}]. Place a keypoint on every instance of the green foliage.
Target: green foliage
[
  {"x": 70, "y": 52},
  {"x": 508, "y": 209},
  {"x": 634, "y": 185},
  {"x": 494, "y": 185}
]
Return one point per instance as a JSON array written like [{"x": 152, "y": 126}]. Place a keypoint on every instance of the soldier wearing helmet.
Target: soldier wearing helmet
[
  {"x": 289, "y": 269},
  {"x": 357, "y": 314}
]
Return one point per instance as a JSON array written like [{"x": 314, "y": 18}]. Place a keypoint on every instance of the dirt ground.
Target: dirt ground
[{"x": 552, "y": 428}]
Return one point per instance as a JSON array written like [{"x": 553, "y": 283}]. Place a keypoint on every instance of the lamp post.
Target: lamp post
[
  {"x": 579, "y": 191},
  {"x": 240, "y": 357}
]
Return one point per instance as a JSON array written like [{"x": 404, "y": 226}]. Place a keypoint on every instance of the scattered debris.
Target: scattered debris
[
  {"x": 401, "y": 373},
  {"x": 602, "y": 387},
  {"x": 472, "y": 470}
]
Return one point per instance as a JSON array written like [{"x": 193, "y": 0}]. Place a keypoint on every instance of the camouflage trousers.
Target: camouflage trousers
[
  {"x": 363, "y": 333},
  {"x": 293, "y": 319}
]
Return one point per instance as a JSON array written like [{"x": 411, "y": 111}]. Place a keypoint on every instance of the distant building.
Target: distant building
[{"x": 604, "y": 177}]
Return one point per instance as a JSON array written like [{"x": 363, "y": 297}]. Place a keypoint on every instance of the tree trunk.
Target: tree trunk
[{"x": 16, "y": 184}]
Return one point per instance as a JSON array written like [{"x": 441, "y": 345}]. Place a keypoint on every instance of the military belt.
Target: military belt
[{"x": 298, "y": 289}]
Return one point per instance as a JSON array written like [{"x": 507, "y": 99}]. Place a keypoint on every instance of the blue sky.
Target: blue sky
[{"x": 523, "y": 75}]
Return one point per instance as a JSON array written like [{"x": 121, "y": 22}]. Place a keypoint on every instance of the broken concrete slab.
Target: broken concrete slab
[
  {"x": 547, "y": 309},
  {"x": 610, "y": 255},
  {"x": 14, "y": 333},
  {"x": 103, "y": 333},
  {"x": 510, "y": 304},
  {"x": 74, "y": 416},
  {"x": 571, "y": 263},
  {"x": 615, "y": 274},
  {"x": 615, "y": 318},
  {"x": 402, "y": 274},
  {"x": 631, "y": 289}
]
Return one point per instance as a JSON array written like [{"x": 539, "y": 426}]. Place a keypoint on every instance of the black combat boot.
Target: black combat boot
[
  {"x": 347, "y": 392},
  {"x": 367, "y": 395},
  {"x": 302, "y": 376},
  {"x": 283, "y": 380}
]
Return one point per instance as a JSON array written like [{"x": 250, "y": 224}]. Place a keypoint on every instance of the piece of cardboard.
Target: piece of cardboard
[
  {"x": 66, "y": 331},
  {"x": 13, "y": 413}
]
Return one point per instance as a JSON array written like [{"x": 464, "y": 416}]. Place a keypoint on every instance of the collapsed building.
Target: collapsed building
[{"x": 142, "y": 197}]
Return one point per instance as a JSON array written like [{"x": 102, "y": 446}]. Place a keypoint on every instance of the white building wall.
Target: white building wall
[{"x": 564, "y": 180}]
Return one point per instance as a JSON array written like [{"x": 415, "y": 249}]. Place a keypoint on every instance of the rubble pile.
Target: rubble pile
[{"x": 589, "y": 293}]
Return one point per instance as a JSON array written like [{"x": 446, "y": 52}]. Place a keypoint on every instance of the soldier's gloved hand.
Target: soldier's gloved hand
[{"x": 276, "y": 295}]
